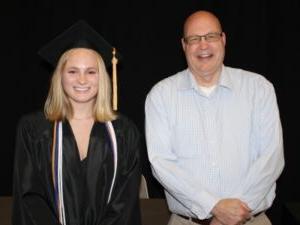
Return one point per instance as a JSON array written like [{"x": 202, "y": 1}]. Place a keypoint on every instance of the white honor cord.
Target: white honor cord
[
  {"x": 115, "y": 153},
  {"x": 60, "y": 176}
]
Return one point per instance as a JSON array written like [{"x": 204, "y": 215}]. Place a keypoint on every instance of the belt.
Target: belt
[
  {"x": 207, "y": 221},
  {"x": 196, "y": 220}
]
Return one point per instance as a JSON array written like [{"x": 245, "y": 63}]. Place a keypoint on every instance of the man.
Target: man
[{"x": 214, "y": 134}]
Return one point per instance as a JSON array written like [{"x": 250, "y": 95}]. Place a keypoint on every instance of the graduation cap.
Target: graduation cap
[{"x": 82, "y": 35}]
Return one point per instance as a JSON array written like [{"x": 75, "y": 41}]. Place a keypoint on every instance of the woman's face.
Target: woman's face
[{"x": 80, "y": 76}]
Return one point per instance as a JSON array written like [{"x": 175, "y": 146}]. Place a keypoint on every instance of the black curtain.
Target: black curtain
[{"x": 262, "y": 36}]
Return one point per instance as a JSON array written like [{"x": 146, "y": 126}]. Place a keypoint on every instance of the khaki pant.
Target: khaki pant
[{"x": 261, "y": 219}]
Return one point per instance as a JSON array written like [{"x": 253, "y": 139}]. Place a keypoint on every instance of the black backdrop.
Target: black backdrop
[{"x": 262, "y": 36}]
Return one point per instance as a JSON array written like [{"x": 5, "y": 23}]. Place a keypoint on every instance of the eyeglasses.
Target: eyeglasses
[{"x": 195, "y": 39}]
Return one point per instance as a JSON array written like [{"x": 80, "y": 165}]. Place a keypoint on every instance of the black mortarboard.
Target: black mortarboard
[
  {"x": 82, "y": 35},
  {"x": 79, "y": 34}
]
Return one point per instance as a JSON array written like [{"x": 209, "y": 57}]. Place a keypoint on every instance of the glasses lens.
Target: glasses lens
[
  {"x": 211, "y": 37},
  {"x": 192, "y": 39}
]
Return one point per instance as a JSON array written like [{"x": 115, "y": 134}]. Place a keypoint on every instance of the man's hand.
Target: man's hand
[
  {"x": 231, "y": 212},
  {"x": 215, "y": 221}
]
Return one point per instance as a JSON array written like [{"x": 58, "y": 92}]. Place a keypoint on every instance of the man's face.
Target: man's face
[{"x": 204, "y": 55}]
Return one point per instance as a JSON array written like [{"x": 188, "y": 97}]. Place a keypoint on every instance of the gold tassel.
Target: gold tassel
[{"x": 114, "y": 80}]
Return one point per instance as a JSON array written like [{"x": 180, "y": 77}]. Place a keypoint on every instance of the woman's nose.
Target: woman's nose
[{"x": 81, "y": 78}]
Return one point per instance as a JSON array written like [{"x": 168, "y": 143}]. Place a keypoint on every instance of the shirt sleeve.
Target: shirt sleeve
[
  {"x": 268, "y": 161},
  {"x": 164, "y": 162}
]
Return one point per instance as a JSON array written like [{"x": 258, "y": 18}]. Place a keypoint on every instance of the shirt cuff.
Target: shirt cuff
[{"x": 203, "y": 204}]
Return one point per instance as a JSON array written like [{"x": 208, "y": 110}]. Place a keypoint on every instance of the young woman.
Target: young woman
[{"x": 77, "y": 162}]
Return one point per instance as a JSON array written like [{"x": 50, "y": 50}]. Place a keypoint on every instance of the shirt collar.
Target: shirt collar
[
  {"x": 225, "y": 79},
  {"x": 189, "y": 82}
]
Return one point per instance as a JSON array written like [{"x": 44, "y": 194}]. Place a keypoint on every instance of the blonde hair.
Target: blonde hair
[{"x": 58, "y": 106}]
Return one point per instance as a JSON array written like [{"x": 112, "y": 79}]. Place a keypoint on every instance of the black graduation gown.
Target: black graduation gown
[{"x": 86, "y": 183}]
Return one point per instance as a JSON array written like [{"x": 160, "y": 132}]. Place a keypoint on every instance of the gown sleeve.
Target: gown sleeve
[
  {"x": 31, "y": 206},
  {"x": 124, "y": 208}
]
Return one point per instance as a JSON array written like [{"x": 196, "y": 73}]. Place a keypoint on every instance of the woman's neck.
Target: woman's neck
[
  {"x": 82, "y": 117},
  {"x": 82, "y": 112}
]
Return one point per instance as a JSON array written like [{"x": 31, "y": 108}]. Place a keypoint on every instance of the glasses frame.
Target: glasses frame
[{"x": 198, "y": 38}]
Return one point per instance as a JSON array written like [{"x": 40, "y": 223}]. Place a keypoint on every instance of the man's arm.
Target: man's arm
[
  {"x": 269, "y": 159},
  {"x": 177, "y": 181}
]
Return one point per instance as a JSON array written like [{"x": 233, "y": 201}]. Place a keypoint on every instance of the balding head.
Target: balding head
[{"x": 203, "y": 20}]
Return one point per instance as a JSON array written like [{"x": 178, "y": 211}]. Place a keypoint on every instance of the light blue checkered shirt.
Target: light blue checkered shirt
[{"x": 206, "y": 148}]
